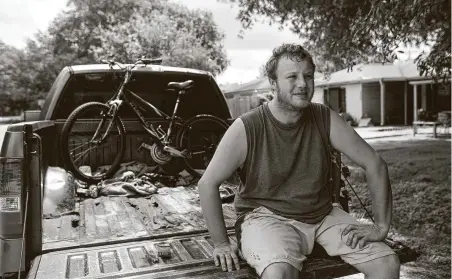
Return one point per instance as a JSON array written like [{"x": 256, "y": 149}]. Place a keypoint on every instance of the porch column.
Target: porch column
[
  {"x": 382, "y": 102},
  {"x": 424, "y": 97},
  {"x": 405, "y": 102},
  {"x": 415, "y": 102}
]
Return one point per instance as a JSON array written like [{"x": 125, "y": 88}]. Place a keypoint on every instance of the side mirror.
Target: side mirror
[{"x": 31, "y": 115}]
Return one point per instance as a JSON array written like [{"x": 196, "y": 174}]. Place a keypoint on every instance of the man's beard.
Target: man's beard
[{"x": 286, "y": 103}]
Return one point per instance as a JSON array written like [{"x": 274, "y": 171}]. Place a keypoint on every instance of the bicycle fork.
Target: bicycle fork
[{"x": 112, "y": 112}]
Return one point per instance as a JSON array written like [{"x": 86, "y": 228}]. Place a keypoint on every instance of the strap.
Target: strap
[{"x": 238, "y": 229}]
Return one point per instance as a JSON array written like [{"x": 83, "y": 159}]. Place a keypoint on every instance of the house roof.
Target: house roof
[
  {"x": 228, "y": 87},
  {"x": 372, "y": 72},
  {"x": 257, "y": 84}
]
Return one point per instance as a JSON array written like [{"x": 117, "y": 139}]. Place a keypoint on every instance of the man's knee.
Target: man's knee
[
  {"x": 384, "y": 267},
  {"x": 280, "y": 270},
  {"x": 392, "y": 264}
]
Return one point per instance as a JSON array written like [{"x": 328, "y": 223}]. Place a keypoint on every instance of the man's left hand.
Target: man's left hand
[{"x": 361, "y": 234}]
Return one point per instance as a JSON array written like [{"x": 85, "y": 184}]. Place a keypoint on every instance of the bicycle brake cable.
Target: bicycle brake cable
[{"x": 357, "y": 196}]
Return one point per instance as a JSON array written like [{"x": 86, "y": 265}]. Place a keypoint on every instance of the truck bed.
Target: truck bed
[
  {"x": 172, "y": 211},
  {"x": 118, "y": 237}
]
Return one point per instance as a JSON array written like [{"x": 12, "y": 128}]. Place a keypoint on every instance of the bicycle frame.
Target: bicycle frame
[
  {"x": 158, "y": 134},
  {"x": 120, "y": 96}
]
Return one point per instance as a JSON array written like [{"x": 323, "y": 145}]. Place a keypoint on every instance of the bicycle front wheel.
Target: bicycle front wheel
[
  {"x": 89, "y": 155},
  {"x": 199, "y": 137}
]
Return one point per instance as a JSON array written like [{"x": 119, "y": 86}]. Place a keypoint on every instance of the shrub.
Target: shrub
[
  {"x": 349, "y": 118},
  {"x": 444, "y": 118}
]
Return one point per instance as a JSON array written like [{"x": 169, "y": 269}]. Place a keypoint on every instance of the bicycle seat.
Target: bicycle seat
[{"x": 182, "y": 85}]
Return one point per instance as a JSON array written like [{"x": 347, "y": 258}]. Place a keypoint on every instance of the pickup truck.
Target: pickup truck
[{"x": 117, "y": 236}]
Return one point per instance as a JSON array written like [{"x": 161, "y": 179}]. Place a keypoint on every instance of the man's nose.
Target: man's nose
[{"x": 301, "y": 83}]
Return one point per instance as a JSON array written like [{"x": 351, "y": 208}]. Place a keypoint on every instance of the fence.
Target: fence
[{"x": 242, "y": 104}]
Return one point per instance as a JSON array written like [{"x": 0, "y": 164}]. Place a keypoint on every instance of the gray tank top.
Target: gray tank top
[{"x": 286, "y": 166}]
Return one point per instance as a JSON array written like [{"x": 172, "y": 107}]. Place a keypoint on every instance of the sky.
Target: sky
[{"x": 21, "y": 19}]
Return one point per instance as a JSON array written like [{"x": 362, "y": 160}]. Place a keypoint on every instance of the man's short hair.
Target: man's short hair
[{"x": 292, "y": 51}]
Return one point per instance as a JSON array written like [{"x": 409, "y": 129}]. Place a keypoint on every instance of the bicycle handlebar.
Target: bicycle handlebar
[{"x": 142, "y": 60}]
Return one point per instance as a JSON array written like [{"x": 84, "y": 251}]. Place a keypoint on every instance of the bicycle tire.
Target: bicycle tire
[
  {"x": 65, "y": 143},
  {"x": 187, "y": 136}
]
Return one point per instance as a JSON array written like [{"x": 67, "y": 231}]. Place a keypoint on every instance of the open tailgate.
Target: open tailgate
[{"x": 191, "y": 257}]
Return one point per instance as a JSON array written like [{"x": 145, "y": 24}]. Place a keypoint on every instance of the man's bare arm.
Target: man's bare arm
[
  {"x": 345, "y": 139},
  {"x": 229, "y": 155}
]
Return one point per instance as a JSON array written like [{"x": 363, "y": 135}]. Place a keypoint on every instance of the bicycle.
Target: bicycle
[{"x": 195, "y": 150}]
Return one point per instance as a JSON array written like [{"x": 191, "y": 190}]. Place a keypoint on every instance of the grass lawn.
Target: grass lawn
[{"x": 421, "y": 185}]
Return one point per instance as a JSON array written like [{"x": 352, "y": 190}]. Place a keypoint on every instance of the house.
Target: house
[
  {"x": 389, "y": 94},
  {"x": 386, "y": 93}
]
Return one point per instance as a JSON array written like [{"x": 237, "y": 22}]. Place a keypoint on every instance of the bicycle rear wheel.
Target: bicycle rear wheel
[
  {"x": 200, "y": 136},
  {"x": 89, "y": 159}
]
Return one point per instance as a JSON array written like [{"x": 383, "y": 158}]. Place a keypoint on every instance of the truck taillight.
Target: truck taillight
[
  {"x": 10, "y": 184},
  {"x": 10, "y": 204}
]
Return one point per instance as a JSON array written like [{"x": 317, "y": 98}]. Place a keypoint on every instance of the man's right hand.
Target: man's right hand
[
  {"x": 227, "y": 255},
  {"x": 228, "y": 157}
]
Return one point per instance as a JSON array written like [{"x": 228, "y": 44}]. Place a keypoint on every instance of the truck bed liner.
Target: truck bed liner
[{"x": 112, "y": 219}]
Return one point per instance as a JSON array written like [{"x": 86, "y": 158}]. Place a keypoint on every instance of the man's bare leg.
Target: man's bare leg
[{"x": 385, "y": 267}]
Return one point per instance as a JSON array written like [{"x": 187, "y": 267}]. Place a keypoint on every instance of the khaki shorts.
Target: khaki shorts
[{"x": 267, "y": 238}]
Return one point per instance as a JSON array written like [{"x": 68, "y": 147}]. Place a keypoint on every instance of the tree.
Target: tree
[
  {"x": 344, "y": 32},
  {"x": 8, "y": 57},
  {"x": 124, "y": 30},
  {"x": 177, "y": 45}
]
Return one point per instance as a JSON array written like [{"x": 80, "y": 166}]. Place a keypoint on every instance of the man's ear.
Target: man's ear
[{"x": 273, "y": 85}]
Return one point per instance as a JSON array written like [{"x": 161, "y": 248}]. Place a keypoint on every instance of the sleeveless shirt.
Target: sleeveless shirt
[{"x": 286, "y": 165}]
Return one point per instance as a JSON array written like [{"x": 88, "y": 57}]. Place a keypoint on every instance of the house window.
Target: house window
[
  {"x": 342, "y": 101},
  {"x": 326, "y": 99}
]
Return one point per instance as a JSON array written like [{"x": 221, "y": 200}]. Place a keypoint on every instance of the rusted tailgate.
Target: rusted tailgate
[{"x": 191, "y": 257}]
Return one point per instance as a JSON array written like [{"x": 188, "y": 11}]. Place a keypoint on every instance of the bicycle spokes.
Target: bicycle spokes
[
  {"x": 78, "y": 147},
  {"x": 83, "y": 154}
]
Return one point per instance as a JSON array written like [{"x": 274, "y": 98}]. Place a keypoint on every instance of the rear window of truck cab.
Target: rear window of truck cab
[{"x": 203, "y": 98}]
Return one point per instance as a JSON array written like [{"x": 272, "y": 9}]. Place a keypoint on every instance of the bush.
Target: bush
[
  {"x": 349, "y": 118},
  {"x": 444, "y": 118},
  {"x": 427, "y": 116}
]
